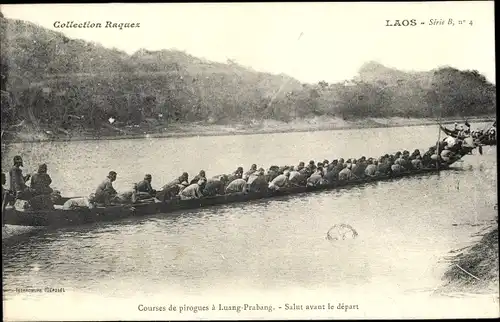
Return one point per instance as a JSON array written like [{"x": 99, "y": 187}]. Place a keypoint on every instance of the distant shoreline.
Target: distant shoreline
[{"x": 264, "y": 127}]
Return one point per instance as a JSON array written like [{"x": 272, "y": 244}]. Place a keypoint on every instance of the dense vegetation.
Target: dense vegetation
[{"x": 51, "y": 81}]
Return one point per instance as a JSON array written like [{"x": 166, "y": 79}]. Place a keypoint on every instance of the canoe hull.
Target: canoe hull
[{"x": 61, "y": 218}]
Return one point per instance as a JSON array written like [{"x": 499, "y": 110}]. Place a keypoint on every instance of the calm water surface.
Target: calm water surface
[{"x": 406, "y": 227}]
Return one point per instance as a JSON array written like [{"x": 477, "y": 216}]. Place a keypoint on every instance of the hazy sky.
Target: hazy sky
[{"x": 309, "y": 41}]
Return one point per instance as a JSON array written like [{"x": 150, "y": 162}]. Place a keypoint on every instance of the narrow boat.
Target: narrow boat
[
  {"x": 483, "y": 139},
  {"x": 60, "y": 217}
]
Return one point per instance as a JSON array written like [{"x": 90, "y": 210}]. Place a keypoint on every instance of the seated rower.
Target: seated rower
[
  {"x": 282, "y": 169},
  {"x": 145, "y": 186},
  {"x": 332, "y": 173},
  {"x": 252, "y": 170},
  {"x": 300, "y": 166},
  {"x": 371, "y": 168},
  {"x": 280, "y": 182},
  {"x": 427, "y": 157},
  {"x": 200, "y": 176},
  {"x": 447, "y": 155},
  {"x": 340, "y": 165},
  {"x": 396, "y": 167},
  {"x": 105, "y": 193},
  {"x": 272, "y": 173},
  {"x": 346, "y": 173},
  {"x": 238, "y": 174},
  {"x": 257, "y": 182},
  {"x": 468, "y": 143},
  {"x": 492, "y": 134},
  {"x": 414, "y": 154},
  {"x": 40, "y": 181},
  {"x": 296, "y": 178},
  {"x": 354, "y": 165},
  {"x": 82, "y": 202},
  {"x": 405, "y": 162},
  {"x": 236, "y": 186},
  {"x": 131, "y": 196},
  {"x": 215, "y": 186},
  {"x": 316, "y": 179},
  {"x": 361, "y": 165},
  {"x": 417, "y": 163},
  {"x": 311, "y": 167},
  {"x": 173, "y": 188},
  {"x": 193, "y": 191}
]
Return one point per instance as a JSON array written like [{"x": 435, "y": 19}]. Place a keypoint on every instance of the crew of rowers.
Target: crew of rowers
[
  {"x": 255, "y": 180},
  {"x": 487, "y": 134}
]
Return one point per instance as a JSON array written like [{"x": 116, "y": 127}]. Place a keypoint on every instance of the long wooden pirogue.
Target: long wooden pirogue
[
  {"x": 483, "y": 139},
  {"x": 60, "y": 217}
]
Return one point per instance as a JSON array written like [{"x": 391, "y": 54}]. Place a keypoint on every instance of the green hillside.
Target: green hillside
[{"x": 53, "y": 82}]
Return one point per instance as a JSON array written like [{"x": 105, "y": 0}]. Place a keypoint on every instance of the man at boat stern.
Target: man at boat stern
[
  {"x": 18, "y": 181},
  {"x": 105, "y": 193}
]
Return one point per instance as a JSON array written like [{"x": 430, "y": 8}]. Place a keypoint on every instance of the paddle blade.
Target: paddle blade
[{"x": 480, "y": 149}]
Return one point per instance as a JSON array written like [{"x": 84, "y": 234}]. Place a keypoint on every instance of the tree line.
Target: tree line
[{"x": 52, "y": 81}]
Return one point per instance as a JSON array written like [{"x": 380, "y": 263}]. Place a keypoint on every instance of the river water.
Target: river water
[{"x": 264, "y": 252}]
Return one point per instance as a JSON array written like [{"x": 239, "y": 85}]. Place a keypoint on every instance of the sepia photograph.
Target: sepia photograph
[{"x": 214, "y": 161}]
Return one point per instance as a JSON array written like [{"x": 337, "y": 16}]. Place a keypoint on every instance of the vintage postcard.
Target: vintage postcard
[{"x": 200, "y": 161}]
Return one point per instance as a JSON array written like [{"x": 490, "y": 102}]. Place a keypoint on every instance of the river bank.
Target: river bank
[
  {"x": 161, "y": 130},
  {"x": 475, "y": 268}
]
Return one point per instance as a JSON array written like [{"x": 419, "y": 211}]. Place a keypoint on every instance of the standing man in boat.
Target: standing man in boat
[
  {"x": 40, "y": 182},
  {"x": 105, "y": 193},
  {"x": 7, "y": 196},
  {"x": 145, "y": 186},
  {"x": 18, "y": 181}
]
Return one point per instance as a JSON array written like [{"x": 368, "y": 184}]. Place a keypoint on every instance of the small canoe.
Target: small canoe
[{"x": 61, "y": 218}]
